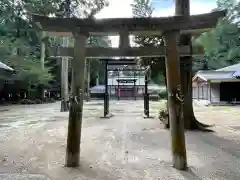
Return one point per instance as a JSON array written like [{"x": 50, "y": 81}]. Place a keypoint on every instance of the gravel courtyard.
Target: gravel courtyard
[{"x": 126, "y": 146}]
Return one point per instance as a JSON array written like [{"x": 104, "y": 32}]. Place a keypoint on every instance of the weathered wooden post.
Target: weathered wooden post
[
  {"x": 42, "y": 60},
  {"x": 43, "y": 49},
  {"x": 106, "y": 94},
  {"x": 97, "y": 78},
  {"x": 146, "y": 97},
  {"x": 134, "y": 87},
  {"x": 64, "y": 66},
  {"x": 89, "y": 79},
  {"x": 64, "y": 79},
  {"x": 88, "y": 73},
  {"x": 76, "y": 101},
  {"x": 174, "y": 99}
]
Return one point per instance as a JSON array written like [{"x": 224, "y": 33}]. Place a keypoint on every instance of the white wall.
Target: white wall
[
  {"x": 215, "y": 93},
  {"x": 208, "y": 92},
  {"x": 201, "y": 92}
]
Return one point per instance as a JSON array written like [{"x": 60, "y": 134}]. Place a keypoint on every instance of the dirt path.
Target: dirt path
[{"x": 124, "y": 147}]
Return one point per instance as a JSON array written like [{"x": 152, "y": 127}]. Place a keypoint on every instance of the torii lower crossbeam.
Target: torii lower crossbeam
[{"x": 118, "y": 52}]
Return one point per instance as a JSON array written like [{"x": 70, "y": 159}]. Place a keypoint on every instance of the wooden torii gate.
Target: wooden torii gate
[{"x": 169, "y": 27}]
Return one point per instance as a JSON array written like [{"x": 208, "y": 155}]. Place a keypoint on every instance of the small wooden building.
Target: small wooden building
[{"x": 220, "y": 86}]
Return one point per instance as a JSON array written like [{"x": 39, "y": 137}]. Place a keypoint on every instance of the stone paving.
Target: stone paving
[{"x": 126, "y": 146}]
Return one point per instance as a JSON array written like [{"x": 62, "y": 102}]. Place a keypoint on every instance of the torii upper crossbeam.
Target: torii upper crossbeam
[{"x": 134, "y": 26}]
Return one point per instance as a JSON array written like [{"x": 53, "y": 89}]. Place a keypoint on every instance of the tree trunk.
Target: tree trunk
[
  {"x": 64, "y": 68},
  {"x": 166, "y": 124},
  {"x": 190, "y": 122},
  {"x": 174, "y": 103},
  {"x": 64, "y": 85},
  {"x": 87, "y": 80},
  {"x": 97, "y": 79},
  {"x": 76, "y": 102},
  {"x": 42, "y": 60},
  {"x": 186, "y": 79},
  {"x": 183, "y": 8}
]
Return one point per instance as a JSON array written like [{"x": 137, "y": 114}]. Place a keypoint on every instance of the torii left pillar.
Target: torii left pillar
[
  {"x": 76, "y": 101},
  {"x": 174, "y": 100}
]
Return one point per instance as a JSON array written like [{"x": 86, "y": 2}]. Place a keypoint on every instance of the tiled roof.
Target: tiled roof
[
  {"x": 226, "y": 73},
  {"x": 235, "y": 67},
  {"x": 215, "y": 75}
]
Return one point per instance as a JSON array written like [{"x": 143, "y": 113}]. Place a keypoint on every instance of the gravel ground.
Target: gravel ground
[{"x": 126, "y": 146}]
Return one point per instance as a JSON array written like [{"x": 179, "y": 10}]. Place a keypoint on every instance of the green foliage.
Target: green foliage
[
  {"x": 163, "y": 115},
  {"x": 163, "y": 94},
  {"x": 96, "y": 67},
  {"x": 20, "y": 55},
  {"x": 20, "y": 40},
  {"x": 75, "y": 8},
  {"x": 29, "y": 70},
  {"x": 143, "y": 8},
  {"x": 158, "y": 78},
  {"x": 232, "y": 6},
  {"x": 222, "y": 44}
]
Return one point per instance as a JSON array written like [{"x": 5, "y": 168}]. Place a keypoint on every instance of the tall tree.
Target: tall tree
[
  {"x": 20, "y": 39},
  {"x": 143, "y": 8},
  {"x": 183, "y": 8},
  {"x": 222, "y": 44},
  {"x": 232, "y": 6},
  {"x": 64, "y": 63},
  {"x": 21, "y": 45}
]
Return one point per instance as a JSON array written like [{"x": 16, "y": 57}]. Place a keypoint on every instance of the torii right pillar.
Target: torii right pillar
[{"x": 172, "y": 62}]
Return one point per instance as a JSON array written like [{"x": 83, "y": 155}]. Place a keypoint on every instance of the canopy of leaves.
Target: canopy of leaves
[
  {"x": 20, "y": 40},
  {"x": 222, "y": 44}
]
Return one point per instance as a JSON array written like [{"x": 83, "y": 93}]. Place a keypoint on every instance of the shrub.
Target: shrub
[
  {"x": 163, "y": 116},
  {"x": 38, "y": 101},
  {"x": 49, "y": 100},
  {"x": 27, "y": 101}
]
